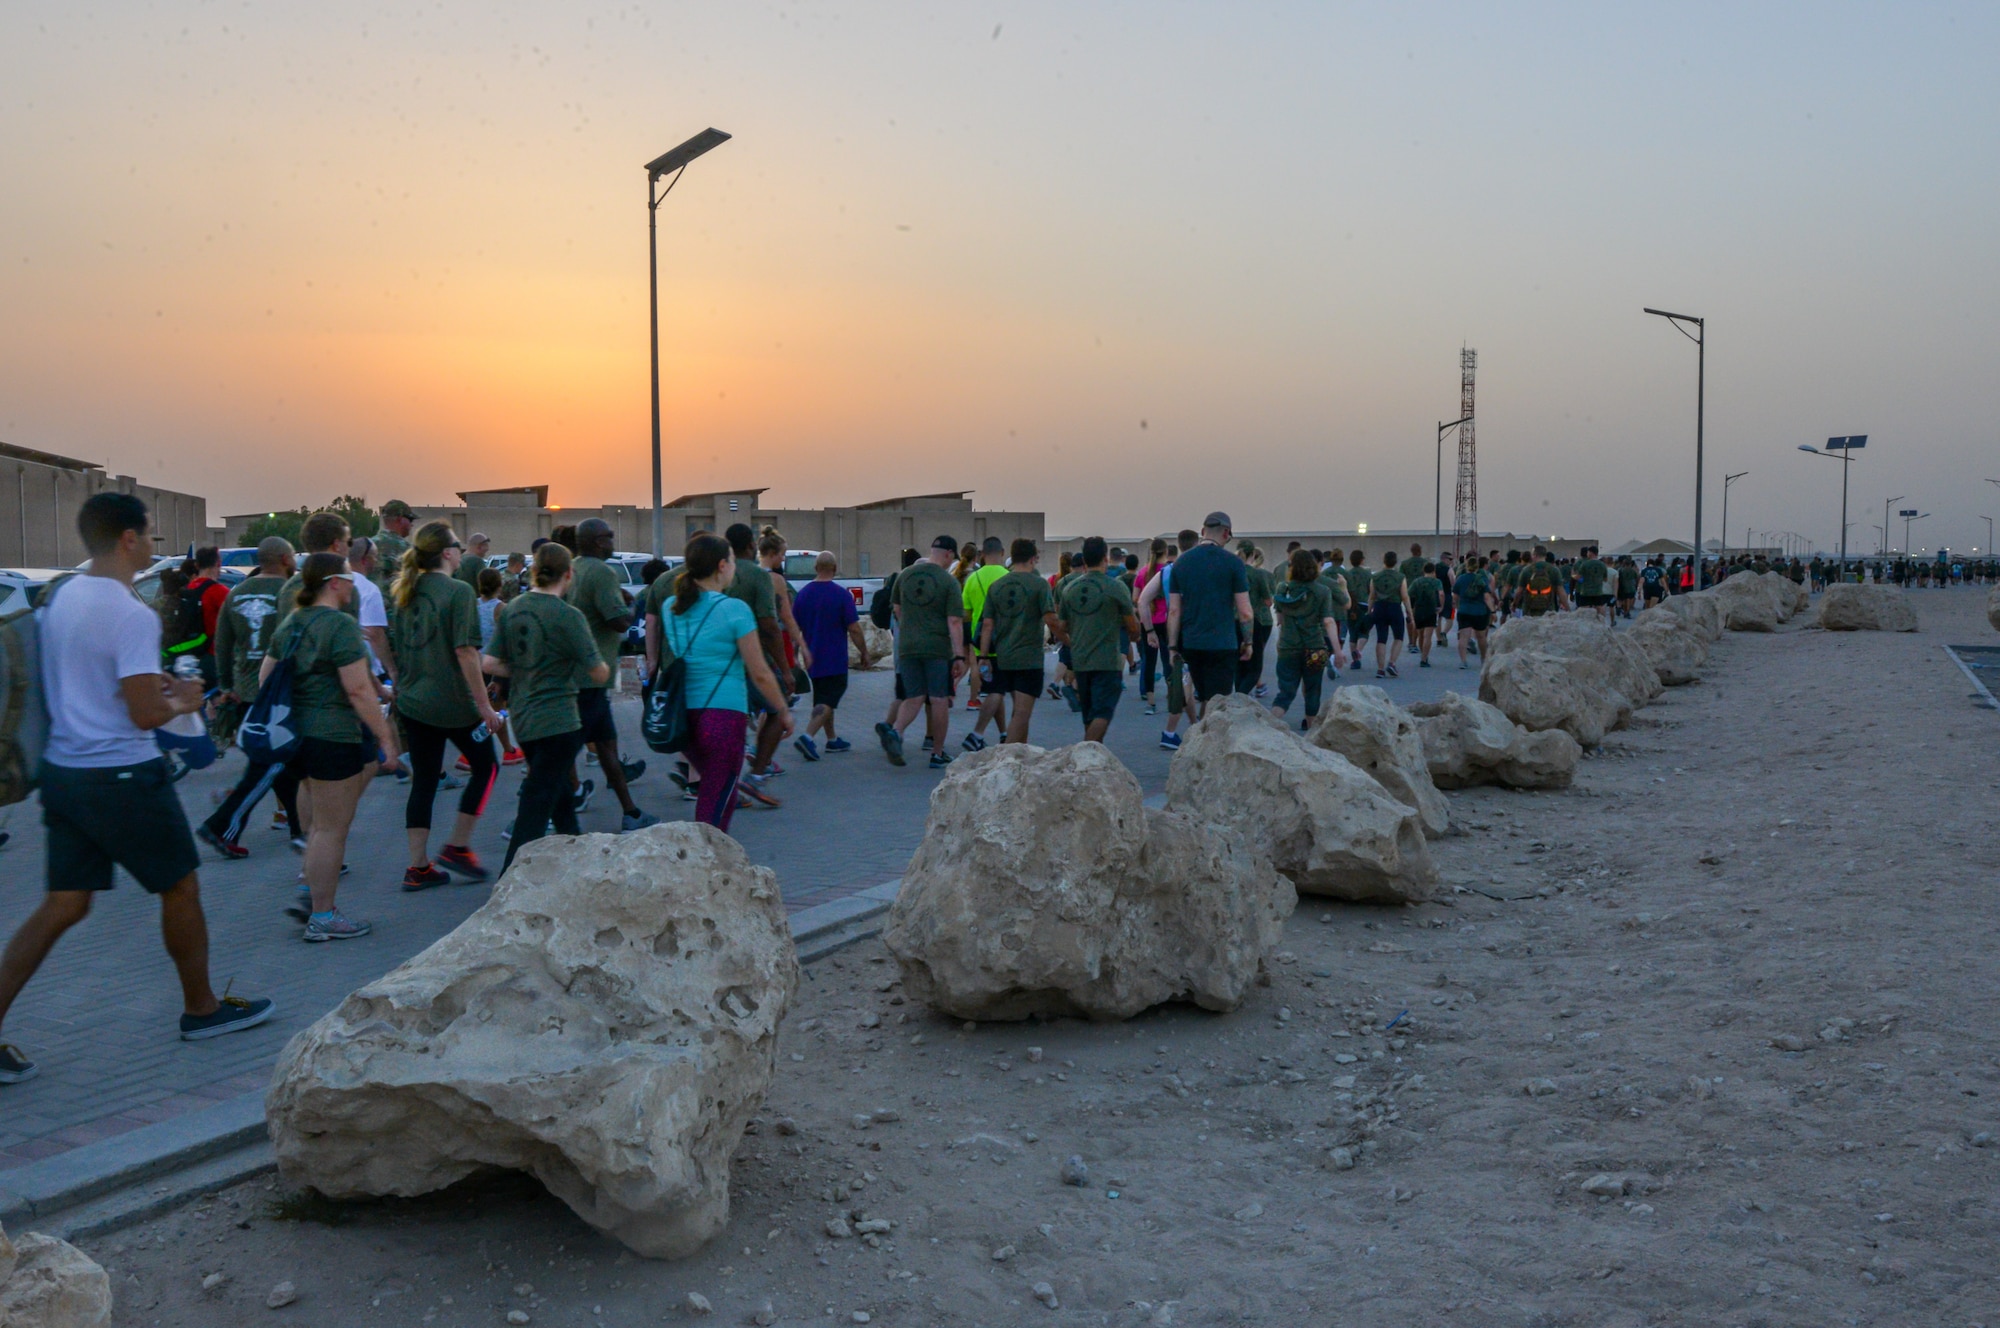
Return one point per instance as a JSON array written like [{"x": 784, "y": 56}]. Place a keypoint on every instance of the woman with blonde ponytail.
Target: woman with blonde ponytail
[{"x": 441, "y": 698}]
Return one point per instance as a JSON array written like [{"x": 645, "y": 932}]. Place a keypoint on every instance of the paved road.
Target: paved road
[{"x": 100, "y": 1017}]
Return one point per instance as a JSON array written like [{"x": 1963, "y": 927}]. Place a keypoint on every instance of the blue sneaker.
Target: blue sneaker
[
  {"x": 973, "y": 743},
  {"x": 1170, "y": 742},
  {"x": 892, "y": 742},
  {"x": 232, "y": 1016},
  {"x": 807, "y": 748},
  {"x": 939, "y": 760},
  {"x": 334, "y": 926},
  {"x": 839, "y": 745}
]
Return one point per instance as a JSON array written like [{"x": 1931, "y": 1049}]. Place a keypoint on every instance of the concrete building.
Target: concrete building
[
  {"x": 40, "y": 494},
  {"x": 1374, "y": 542},
  {"x": 867, "y": 538}
]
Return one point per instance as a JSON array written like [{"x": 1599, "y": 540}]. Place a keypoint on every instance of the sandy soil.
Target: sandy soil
[{"x": 1742, "y": 971}]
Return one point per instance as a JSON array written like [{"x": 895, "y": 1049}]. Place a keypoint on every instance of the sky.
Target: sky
[{"x": 1121, "y": 263}]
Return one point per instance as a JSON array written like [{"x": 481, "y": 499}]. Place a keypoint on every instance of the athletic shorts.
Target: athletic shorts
[
  {"x": 924, "y": 678},
  {"x": 827, "y": 691},
  {"x": 330, "y": 762},
  {"x": 1028, "y": 682},
  {"x": 987, "y": 678},
  {"x": 1388, "y": 620},
  {"x": 1469, "y": 621},
  {"x": 1593, "y": 601},
  {"x": 593, "y": 707},
  {"x": 1099, "y": 690},
  {"x": 1420, "y": 618},
  {"x": 127, "y": 816},
  {"x": 1654, "y": 592},
  {"x": 1213, "y": 672}
]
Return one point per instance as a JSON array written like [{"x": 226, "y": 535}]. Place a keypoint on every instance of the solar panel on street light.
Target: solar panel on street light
[{"x": 676, "y": 158}]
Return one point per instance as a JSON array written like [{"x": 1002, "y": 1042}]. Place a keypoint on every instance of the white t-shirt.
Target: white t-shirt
[
  {"x": 369, "y": 607},
  {"x": 95, "y": 633}
]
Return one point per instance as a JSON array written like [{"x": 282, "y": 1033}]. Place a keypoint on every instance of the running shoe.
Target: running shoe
[
  {"x": 1423, "y": 663},
  {"x": 462, "y": 863},
  {"x": 1260, "y": 691},
  {"x": 301, "y": 907},
  {"x": 839, "y": 745},
  {"x": 774, "y": 769},
  {"x": 1151, "y": 709},
  {"x": 1170, "y": 742},
  {"x": 1055, "y": 692},
  {"x": 298, "y": 843},
  {"x": 462, "y": 764},
  {"x": 423, "y": 878},
  {"x": 679, "y": 774},
  {"x": 584, "y": 793},
  {"x": 636, "y": 821},
  {"x": 1075, "y": 701},
  {"x": 753, "y": 795},
  {"x": 449, "y": 783},
  {"x": 927, "y": 742},
  {"x": 892, "y": 742},
  {"x": 939, "y": 760},
  {"x": 691, "y": 793},
  {"x": 334, "y": 926},
  {"x": 15, "y": 1068},
  {"x": 972, "y": 742},
  {"x": 233, "y": 1015},
  {"x": 806, "y": 747},
  {"x": 1393, "y": 673},
  {"x": 1380, "y": 674},
  {"x": 632, "y": 769},
  {"x": 278, "y": 821},
  {"x": 513, "y": 756},
  {"x": 228, "y": 848}
]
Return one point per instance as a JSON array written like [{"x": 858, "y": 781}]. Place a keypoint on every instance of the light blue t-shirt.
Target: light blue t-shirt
[{"x": 705, "y": 636}]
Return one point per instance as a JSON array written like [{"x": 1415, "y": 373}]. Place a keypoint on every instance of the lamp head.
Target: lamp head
[
  {"x": 668, "y": 162},
  {"x": 1808, "y": 447}
]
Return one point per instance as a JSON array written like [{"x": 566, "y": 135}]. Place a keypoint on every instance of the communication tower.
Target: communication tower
[{"x": 1465, "y": 511}]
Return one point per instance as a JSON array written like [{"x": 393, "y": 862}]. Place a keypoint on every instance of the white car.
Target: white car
[{"x": 21, "y": 587}]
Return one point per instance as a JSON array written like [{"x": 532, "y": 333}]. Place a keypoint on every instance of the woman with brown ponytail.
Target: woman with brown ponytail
[{"x": 440, "y": 698}]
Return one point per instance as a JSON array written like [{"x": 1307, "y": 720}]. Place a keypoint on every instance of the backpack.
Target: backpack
[
  {"x": 881, "y": 606},
  {"x": 1539, "y": 587},
  {"x": 267, "y": 734},
  {"x": 664, "y": 721},
  {"x": 190, "y": 624}
]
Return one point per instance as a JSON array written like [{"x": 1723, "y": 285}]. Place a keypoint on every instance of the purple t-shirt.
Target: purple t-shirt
[{"x": 824, "y": 611}]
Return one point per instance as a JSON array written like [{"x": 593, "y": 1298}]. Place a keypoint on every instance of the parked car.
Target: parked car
[
  {"x": 21, "y": 587},
  {"x": 799, "y": 571}
]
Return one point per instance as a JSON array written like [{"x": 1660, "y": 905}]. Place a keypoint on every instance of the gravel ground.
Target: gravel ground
[{"x": 1708, "y": 1039}]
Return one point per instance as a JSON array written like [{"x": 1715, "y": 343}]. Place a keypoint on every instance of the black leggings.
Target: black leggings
[
  {"x": 229, "y": 820},
  {"x": 426, "y": 743},
  {"x": 545, "y": 792}
]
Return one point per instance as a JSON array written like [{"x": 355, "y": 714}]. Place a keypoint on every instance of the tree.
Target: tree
[{"x": 361, "y": 520}]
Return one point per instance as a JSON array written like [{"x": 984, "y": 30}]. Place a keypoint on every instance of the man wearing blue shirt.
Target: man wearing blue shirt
[{"x": 1208, "y": 611}]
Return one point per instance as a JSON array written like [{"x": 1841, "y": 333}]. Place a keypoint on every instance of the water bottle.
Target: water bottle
[{"x": 187, "y": 666}]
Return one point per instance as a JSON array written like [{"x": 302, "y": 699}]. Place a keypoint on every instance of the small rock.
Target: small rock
[
  {"x": 765, "y": 1315},
  {"x": 970, "y": 1026},
  {"x": 785, "y": 1125},
  {"x": 517, "y": 1316},
  {"x": 524, "y": 1288},
  {"x": 1982, "y": 1139},
  {"x": 1604, "y": 1184},
  {"x": 860, "y": 1316},
  {"x": 1248, "y": 1211},
  {"x": 862, "y": 1122},
  {"x": 886, "y": 1115},
  {"x": 1539, "y": 1087},
  {"x": 1342, "y": 1159},
  {"x": 837, "y": 1228},
  {"x": 1034, "y": 1055},
  {"x": 281, "y": 1295},
  {"x": 1003, "y": 1254},
  {"x": 1284, "y": 1013},
  {"x": 871, "y": 1020},
  {"x": 1345, "y": 1058},
  {"x": 874, "y": 1226},
  {"x": 1074, "y": 1172},
  {"x": 1047, "y": 1295},
  {"x": 213, "y": 1281},
  {"x": 698, "y": 1304}
]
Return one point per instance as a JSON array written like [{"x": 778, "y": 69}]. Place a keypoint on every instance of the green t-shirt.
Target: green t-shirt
[
  {"x": 1412, "y": 568},
  {"x": 1425, "y": 593},
  {"x": 389, "y": 550},
  {"x": 974, "y": 594},
  {"x": 327, "y": 642},
  {"x": 1591, "y": 576},
  {"x": 1358, "y": 579},
  {"x": 470, "y": 565},
  {"x": 594, "y": 591},
  {"x": 1628, "y": 582},
  {"x": 1387, "y": 586},
  {"x": 1336, "y": 586},
  {"x": 928, "y": 599},
  {"x": 752, "y": 585},
  {"x": 1015, "y": 604},
  {"x": 547, "y": 646},
  {"x": 243, "y": 631},
  {"x": 1261, "y": 582},
  {"x": 1094, "y": 607},
  {"x": 441, "y": 616},
  {"x": 1303, "y": 608},
  {"x": 655, "y": 597}
]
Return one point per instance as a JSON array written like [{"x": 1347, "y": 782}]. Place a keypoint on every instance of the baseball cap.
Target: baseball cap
[
  {"x": 945, "y": 542},
  {"x": 1217, "y": 520},
  {"x": 397, "y": 507}
]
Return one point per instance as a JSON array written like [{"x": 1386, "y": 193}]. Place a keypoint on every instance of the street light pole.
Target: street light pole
[
  {"x": 673, "y": 162},
  {"x": 1437, "y": 489},
  {"x": 1885, "y": 520},
  {"x": 1700, "y": 339},
  {"x": 1845, "y": 446},
  {"x": 1728, "y": 480}
]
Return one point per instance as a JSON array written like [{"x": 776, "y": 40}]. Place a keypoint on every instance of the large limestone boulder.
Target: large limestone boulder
[
  {"x": 607, "y": 1022},
  {"x": 1540, "y": 691},
  {"x": 1677, "y": 654},
  {"x": 1044, "y": 885},
  {"x": 1866, "y": 608},
  {"x": 1468, "y": 742},
  {"x": 1700, "y": 611},
  {"x": 1747, "y": 604},
  {"x": 1379, "y": 736},
  {"x": 1327, "y": 824},
  {"x": 50, "y": 1283},
  {"x": 1993, "y": 608},
  {"x": 1583, "y": 636},
  {"x": 881, "y": 646},
  {"x": 1789, "y": 594}
]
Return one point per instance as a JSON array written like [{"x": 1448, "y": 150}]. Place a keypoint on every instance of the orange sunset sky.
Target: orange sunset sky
[{"x": 271, "y": 253}]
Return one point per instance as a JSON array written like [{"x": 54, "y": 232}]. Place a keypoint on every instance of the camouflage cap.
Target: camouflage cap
[{"x": 397, "y": 507}]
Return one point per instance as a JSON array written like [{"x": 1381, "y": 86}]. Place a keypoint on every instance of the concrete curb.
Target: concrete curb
[{"x": 102, "y": 1187}]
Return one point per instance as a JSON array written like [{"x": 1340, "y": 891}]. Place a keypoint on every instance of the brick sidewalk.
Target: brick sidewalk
[{"x": 100, "y": 1017}]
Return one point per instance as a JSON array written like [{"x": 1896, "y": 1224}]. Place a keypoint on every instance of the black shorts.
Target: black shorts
[
  {"x": 1593, "y": 601},
  {"x": 827, "y": 691},
  {"x": 330, "y": 762},
  {"x": 593, "y": 707},
  {"x": 1388, "y": 620},
  {"x": 1099, "y": 690},
  {"x": 127, "y": 816},
  {"x": 924, "y": 678},
  {"x": 1028, "y": 682},
  {"x": 1213, "y": 672},
  {"x": 1654, "y": 592},
  {"x": 1469, "y": 621},
  {"x": 1420, "y": 618}
]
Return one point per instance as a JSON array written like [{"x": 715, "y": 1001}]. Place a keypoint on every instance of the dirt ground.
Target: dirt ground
[{"x": 1740, "y": 981}]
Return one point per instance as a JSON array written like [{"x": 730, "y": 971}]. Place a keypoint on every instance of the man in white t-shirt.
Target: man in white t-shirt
[{"x": 106, "y": 797}]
